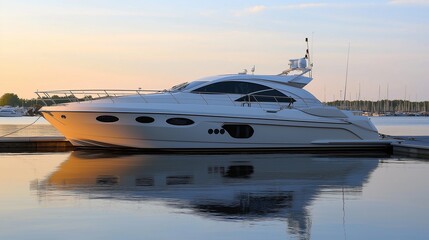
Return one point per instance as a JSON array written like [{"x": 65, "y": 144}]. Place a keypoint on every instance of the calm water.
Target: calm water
[
  {"x": 95, "y": 195},
  {"x": 397, "y": 126},
  {"x": 101, "y": 195},
  {"x": 26, "y": 126}
]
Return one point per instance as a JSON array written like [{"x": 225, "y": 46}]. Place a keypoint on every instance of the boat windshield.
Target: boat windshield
[
  {"x": 186, "y": 86},
  {"x": 178, "y": 87}
]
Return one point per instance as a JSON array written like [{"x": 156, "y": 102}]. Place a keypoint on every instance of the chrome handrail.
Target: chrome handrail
[
  {"x": 88, "y": 95},
  {"x": 64, "y": 96}
]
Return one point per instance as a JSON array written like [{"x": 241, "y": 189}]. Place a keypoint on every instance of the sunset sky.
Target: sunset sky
[{"x": 80, "y": 44}]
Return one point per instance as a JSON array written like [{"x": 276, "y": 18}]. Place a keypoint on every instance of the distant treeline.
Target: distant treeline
[
  {"x": 11, "y": 99},
  {"x": 383, "y": 106}
]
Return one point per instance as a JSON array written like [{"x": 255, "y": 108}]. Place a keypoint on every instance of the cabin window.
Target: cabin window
[
  {"x": 180, "y": 121},
  {"x": 239, "y": 130},
  {"x": 144, "y": 119},
  {"x": 107, "y": 119},
  {"x": 231, "y": 87},
  {"x": 270, "y": 95}
]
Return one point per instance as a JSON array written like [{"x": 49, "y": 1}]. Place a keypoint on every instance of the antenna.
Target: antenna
[
  {"x": 347, "y": 73},
  {"x": 300, "y": 64},
  {"x": 312, "y": 48},
  {"x": 307, "y": 56}
]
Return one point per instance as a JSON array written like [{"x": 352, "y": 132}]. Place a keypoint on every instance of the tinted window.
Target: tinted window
[
  {"x": 267, "y": 96},
  {"x": 232, "y": 87}
]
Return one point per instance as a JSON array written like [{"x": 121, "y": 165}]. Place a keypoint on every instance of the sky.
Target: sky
[{"x": 105, "y": 44}]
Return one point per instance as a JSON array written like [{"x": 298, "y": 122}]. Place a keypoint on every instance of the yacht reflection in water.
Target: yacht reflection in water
[{"x": 223, "y": 187}]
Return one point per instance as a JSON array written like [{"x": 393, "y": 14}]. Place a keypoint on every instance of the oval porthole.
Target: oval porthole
[
  {"x": 107, "y": 119},
  {"x": 180, "y": 121},
  {"x": 144, "y": 119},
  {"x": 239, "y": 131}
]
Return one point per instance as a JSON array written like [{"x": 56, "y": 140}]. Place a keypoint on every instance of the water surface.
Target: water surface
[
  {"x": 402, "y": 126},
  {"x": 99, "y": 195},
  {"x": 26, "y": 127}
]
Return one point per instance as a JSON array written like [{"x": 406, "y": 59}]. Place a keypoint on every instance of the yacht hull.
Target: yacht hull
[{"x": 207, "y": 132}]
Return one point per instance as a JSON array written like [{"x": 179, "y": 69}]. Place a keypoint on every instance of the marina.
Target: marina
[{"x": 214, "y": 120}]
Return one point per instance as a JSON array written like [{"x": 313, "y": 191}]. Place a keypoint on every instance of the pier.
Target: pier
[
  {"x": 413, "y": 146},
  {"x": 34, "y": 144}
]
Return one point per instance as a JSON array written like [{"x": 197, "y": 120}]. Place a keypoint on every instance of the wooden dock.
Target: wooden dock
[
  {"x": 34, "y": 144},
  {"x": 413, "y": 146}
]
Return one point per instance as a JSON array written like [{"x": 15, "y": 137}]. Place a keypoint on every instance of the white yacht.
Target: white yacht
[
  {"x": 8, "y": 111},
  {"x": 226, "y": 112}
]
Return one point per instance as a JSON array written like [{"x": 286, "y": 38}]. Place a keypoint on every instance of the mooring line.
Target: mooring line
[{"x": 21, "y": 128}]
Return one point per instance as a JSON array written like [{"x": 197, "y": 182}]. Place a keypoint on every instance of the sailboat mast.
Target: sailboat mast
[{"x": 347, "y": 73}]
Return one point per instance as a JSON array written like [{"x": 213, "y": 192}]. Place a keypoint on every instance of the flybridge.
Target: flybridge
[{"x": 300, "y": 67}]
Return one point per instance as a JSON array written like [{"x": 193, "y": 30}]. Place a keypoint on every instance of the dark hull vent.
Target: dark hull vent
[
  {"x": 239, "y": 171},
  {"x": 239, "y": 131}
]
